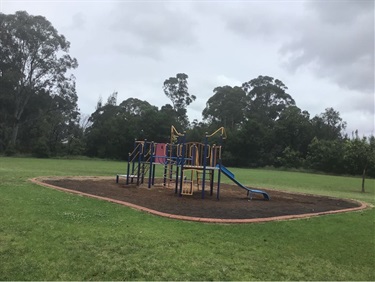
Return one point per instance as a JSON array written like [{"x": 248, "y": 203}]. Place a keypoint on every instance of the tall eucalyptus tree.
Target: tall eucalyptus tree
[{"x": 34, "y": 60}]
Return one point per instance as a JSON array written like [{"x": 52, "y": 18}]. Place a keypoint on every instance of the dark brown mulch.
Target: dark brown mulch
[{"x": 233, "y": 203}]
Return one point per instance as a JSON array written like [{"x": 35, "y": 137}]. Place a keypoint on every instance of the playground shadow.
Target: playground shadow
[{"x": 233, "y": 206}]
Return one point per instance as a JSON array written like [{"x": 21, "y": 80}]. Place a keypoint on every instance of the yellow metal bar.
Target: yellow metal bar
[
  {"x": 136, "y": 148},
  {"x": 134, "y": 156},
  {"x": 209, "y": 151},
  {"x": 174, "y": 134},
  {"x": 221, "y": 130}
]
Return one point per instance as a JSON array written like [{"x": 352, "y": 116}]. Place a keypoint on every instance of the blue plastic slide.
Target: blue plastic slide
[{"x": 231, "y": 176}]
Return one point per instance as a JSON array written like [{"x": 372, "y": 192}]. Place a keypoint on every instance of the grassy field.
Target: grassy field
[{"x": 51, "y": 235}]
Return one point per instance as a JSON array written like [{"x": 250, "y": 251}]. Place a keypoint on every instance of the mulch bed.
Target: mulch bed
[{"x": 233, "y": 203}]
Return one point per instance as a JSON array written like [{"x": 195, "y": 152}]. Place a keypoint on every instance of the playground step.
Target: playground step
[
  {"x": 187, "y": 188},
  {"x": 208, "y": 178}
]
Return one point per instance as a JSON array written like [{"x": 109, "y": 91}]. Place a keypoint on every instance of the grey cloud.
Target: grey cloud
[
  {"x": 78, "y": 20},
  {"x": 138, "y": 48},
  {"x": 334, "y": 39},
  {"x": 341, "y": 12},
  {"x": 360, "y": 103},
  {"x": 148, "y": 28},
  {"x": 255, "y": 20},
  {"x": 339, "y": 46}
]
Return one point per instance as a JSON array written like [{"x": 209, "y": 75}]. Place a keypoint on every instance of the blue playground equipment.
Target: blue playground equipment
[{"x": 187, "y": 165}]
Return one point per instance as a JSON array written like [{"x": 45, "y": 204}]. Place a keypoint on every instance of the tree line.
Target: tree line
[{"x": 39, "y": 113}]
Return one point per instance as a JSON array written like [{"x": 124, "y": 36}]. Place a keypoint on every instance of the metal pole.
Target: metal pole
[
  {"x": 150, "y": 178},
  {"x": 153, "y": 174},
  {"x": 182, "y": 163},
  {"x": 165, "y": 173},
  {"x": 204, "y": 164},
  {"x": 144, "y": 161},
  {"x": 139, "y": 163},
  {"x": 128, "y": 171},
  {"x": 212, "y": 181},
  {"x": 219, "y": 173}
]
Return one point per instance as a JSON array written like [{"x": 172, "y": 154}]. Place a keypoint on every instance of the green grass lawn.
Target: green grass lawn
[{"x": 51, "y": 235}]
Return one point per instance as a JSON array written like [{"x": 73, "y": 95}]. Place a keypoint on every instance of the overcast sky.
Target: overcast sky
[{"x": 323, "y": 51}]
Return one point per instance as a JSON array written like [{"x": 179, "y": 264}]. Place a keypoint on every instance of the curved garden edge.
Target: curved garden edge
[{"x": 39, "y": 181}]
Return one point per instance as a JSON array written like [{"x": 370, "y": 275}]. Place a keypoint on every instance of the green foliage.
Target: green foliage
[
  {"x": 75, "y": 147},
  {"x": 10, "y": 150},
  {"x": 290, "y": 159},
  {"x": 104, "y": 137},
  {"x": 351, "y": 156},
  {"x": 37, "y": 96},
  {"x": 41, "y": 149},
  {"x": 176, "y": 89},
  {"x": 249, "y": 145},
  {"x": 325, "y": 155},
  {"x": 226, "y": 107},
  {"x": 266, "y": 98},
  {"x": 328, "y": 125},
  {"x": 113, "y": 128},
  {"x": 358, "y": 155},
  {"x": 293, "y": 130}
]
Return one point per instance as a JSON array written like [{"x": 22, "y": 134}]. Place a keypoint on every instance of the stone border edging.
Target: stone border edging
[{"x": 39, "y": 181}]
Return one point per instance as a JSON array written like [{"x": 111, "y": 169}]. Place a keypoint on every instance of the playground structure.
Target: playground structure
[{"x": 188, "y": 166}]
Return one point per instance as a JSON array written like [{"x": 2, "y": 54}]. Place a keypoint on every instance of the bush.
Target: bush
[
  {"x": 290, "y": 159},
  {"x": 10, "y": 150},
  {"x": 41, "y": 149}
]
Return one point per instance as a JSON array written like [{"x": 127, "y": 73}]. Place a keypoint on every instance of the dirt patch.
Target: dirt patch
[{"x": 233, "y": 204}]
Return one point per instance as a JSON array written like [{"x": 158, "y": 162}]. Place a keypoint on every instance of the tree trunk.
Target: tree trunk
[
  {"x": 20, "y": 105},
  {"x": 363, "y": 179},
  {"x": 14, "y": 133}
]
